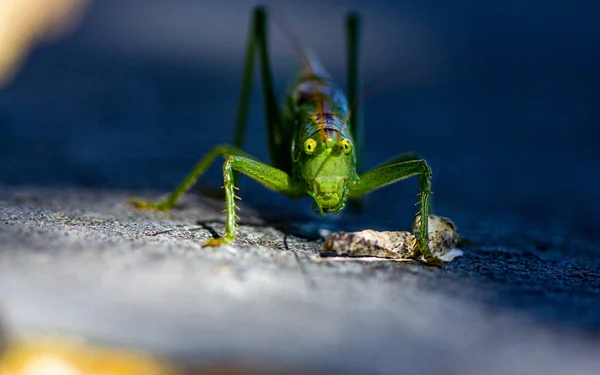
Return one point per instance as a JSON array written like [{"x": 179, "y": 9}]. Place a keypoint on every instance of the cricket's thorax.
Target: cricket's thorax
[
  {"x": 323, "y": 146},
  {"x": 320, "y": 107}
]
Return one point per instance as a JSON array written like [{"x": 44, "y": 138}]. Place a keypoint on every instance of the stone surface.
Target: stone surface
[{"x": 84, "y": 263}]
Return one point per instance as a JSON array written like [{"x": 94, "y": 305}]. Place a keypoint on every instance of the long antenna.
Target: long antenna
[{"x": 310, "y": 63}]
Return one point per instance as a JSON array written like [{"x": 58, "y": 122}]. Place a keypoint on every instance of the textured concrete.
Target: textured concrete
[{"x": 83, "y": 263}]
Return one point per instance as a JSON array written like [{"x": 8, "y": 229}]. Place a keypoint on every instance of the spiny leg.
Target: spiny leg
[
  {"x": 270, "y": 177},
  {"x": 189, "y": 180},
  {"x": 409, "y": 156},
  {"x": 390, "y": 173},
  {"x": 236, "y": 160}
]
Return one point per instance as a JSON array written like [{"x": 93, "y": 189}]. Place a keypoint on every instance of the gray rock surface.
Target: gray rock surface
[{"x": 83, "y": 263}]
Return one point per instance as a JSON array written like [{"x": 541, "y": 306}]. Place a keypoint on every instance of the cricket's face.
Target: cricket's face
[
  {"x": 329, "y": 193},
  {"x": 327, "y": 167}
]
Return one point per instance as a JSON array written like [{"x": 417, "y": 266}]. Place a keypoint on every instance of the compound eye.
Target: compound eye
[
  {"x": 346, "y": 146},
  {"x": 310, "y": 146}
]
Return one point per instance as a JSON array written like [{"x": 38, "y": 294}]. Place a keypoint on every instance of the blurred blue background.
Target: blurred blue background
[{"x": 501, "y": 98}]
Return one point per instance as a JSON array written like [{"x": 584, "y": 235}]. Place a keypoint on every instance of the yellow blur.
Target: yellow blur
[
  {"x": 23, "y": 23},
  {"x": 61, "y": 357}
]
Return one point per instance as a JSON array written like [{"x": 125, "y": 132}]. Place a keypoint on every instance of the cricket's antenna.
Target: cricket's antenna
[
  {"x": 310, "y": 63},
  {"x": 410, "y": 75}
]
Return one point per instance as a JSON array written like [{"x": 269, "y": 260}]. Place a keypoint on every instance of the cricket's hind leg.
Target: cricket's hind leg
[
  {"x": 353, "y": 39},
  {"x": 257, "y": 40},
  {"x": 278, "y": 137},
  {"x": 189, "y": 180}
]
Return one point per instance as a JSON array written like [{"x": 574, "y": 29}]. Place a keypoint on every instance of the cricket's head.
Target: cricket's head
[{"x": 328, "y": 165}]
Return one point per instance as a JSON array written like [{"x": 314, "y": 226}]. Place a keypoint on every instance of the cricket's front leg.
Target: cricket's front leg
[
  {"x": 393, "y": 172},
  {"x": 230, "y": 207},
  {"x": 270, "y": 177}
]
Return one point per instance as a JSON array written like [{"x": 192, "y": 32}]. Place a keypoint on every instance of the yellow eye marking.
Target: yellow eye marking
[
  {"x": 346, "y": 146},
  {"x": 310, "y": 146}
]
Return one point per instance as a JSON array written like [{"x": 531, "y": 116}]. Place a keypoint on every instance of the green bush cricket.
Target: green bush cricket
[{"x": 312, "y": 143}]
